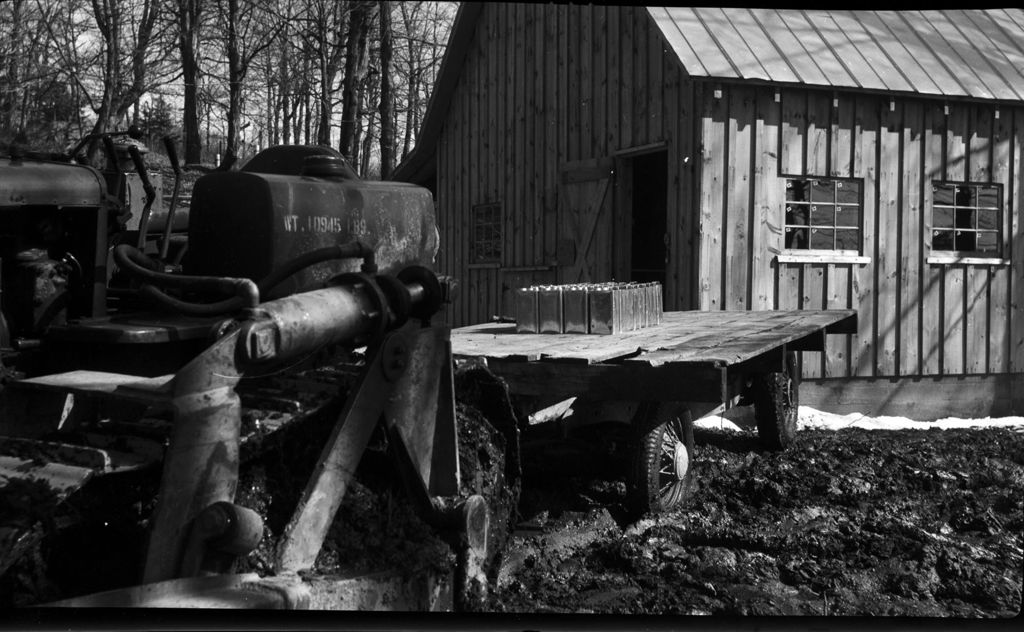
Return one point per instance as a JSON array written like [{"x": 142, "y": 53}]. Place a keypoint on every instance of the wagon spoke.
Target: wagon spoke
[{"x": 669, "y": 487}]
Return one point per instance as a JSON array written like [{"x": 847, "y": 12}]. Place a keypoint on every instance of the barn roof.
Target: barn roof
[
  {"x": 950, "y": 53},
  {"x": 961, "y": 53}
]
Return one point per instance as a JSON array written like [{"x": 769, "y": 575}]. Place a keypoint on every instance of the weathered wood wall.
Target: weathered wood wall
[
  {"x": 915, "y": 317},
  {"x": 546, "y": 93}
]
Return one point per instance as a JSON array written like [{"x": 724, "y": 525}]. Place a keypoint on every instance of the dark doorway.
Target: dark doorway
[{"x": 649, "y": 253}]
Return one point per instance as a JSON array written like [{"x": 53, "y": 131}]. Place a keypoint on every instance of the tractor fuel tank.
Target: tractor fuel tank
[{"x": 247, "y": 223}]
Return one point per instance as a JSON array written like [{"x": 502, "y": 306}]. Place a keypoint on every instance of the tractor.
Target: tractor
[{"x": 248, "y": 400}]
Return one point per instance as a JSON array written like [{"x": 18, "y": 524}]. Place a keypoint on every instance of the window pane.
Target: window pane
[
  {"x": 965, "y": 240},
  {"x": 848, "y": 240},
  {"x": 848, "y": 216},
  {"x": 987, "y": 242},
  {"x": 942, "y": 195},
  {"x": 796, "y": 214},
  {"x": 796, "y": 237},
  {"x": 988, "y": 197},
  {"x": 796, "y": 191},
  {"x": 942, "y": 240},
  {"x": 965, "y": 218},
  {"x": 848, "y": 192},
  {"x": 822, "y": 239},
  {"x": 812, "y": 213},
  {"x": 943, "y": 218},
  {"x": 988, "y": 219},
  {"x": 822, "y": 191},
  {"x": 823, "y": 215},
  {"x": 962, "y": 195}
]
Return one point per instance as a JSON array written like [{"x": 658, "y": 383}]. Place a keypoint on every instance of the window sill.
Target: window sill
[
  {"x": 955, "y": 260},
  {"x": 823, "y": 257}
]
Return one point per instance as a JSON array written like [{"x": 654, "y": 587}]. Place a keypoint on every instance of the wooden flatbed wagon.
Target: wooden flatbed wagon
[{"x": 658, "y": 379}]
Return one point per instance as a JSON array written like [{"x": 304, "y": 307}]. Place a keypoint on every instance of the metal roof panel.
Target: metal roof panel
[
  {"x": 771, "y": 58},
  {"x": 856, "y": 44},
  {"x": 949, "y": 45},
  {"x": 788, "y": 45},
  {"x": 714, "y": 62},
  {"x": 986, "y": 38},
  {"x": 932, "y": 77},
  {"x": 745, "y": 63},
  {"x": 826, "y": 43},
  {"x": 882, "y": 25},
  {"x": 953, "y": 53}
]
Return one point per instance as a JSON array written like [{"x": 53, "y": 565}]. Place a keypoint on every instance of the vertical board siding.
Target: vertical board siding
[
  {"x": 549, "y": 86},
  {"x": 738, "y": 208},
  {"x": 977, "y": 282},
  {"x": 887, "y": 250},
  {"x": 865, "y": 167},
  {"x": 915, "y": 317},
  {"x": 999, "y": 344},
  {"x": 932, "y": 278},
  {"x": 910, "y": 260},
  {"x": 1014, "y": 194},
  {"x": 766, "y": 225},
  {"x": 954, "y": 290},
  {"x": 839, "y": 278},
  {"x": 542, "y": 87},
  {"x": 713, "y": 199}
]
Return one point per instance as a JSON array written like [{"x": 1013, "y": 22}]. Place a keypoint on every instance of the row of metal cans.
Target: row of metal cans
[{"x": 588, "y": 308}]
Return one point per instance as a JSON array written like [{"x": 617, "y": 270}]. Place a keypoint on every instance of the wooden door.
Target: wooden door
[{"x": 585, "y": 236}]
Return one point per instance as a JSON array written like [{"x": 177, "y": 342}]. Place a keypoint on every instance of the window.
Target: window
[
  {"x": 823, "y": 214},
  {"x": 966, "y": 218},
  {"x": 487, "y": 237}
]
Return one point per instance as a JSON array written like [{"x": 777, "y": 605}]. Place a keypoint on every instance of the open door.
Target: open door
[{"x": 647, "y": 200}]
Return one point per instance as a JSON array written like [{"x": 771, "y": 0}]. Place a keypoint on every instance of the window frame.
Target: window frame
[
  {"x": 493, "y": 246},
  {"x": 855, "y": 255},
  {"x": 968, "y": 255}
]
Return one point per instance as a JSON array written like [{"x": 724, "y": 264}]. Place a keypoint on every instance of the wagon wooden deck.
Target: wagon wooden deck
[
  {"x": 658, "y": 379},
  {"x": 693, "y": 356}
]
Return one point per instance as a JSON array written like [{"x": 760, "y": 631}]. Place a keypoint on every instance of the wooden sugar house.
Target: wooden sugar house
[{"x": 751, "y": 159}]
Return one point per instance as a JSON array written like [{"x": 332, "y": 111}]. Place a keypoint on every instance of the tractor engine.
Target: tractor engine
[
  {"x": 289, "y": 201},
  {"x": 53, "y": 246},
  {"x": 102, "y": 284}
]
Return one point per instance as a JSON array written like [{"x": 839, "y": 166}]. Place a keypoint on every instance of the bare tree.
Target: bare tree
[
  {"x": 324, "y": 38},
  {"x": 27, "y": 82},
  {"x": 295, "y": 70},
  {"x": 387, "y": 132},
  {"x": 250, "y": 29},
  {"x": 355, "y": 71},
  {"x": 127, "y": 30},
  {"x": 189, "y": 15}
]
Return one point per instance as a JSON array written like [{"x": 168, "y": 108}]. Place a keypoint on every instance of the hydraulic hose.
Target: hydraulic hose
[
  {"x": 351, "y": 250},
  {"x": 136, "y": 264},
  {"x": 246, "y": 293}
]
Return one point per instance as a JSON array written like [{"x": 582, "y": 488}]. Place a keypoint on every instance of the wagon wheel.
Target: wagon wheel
[
  {"x": 776, "y": 399},
  {"x": 662, "y": 474}
]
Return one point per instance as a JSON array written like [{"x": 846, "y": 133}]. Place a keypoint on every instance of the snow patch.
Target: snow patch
[{"x": 809, "y": 418}]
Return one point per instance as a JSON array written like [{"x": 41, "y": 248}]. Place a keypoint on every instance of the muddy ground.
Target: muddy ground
[{"x": 850, "y": 522}]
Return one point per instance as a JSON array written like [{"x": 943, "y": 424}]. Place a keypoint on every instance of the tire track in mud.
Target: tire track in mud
[{"x": 854, "y": 522}]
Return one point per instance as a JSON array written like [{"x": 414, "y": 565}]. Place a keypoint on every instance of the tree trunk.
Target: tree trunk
[
  {"x": 108, "y": 20},
  {"x": 285, "y": 96},
  {"x": 235, "y": 76},
  {"x": 355, "y": 57},
  {"x": 8, "y": 100},
  {"x": 189, "y": 14},
  {"x": 387, "y": 131}
]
